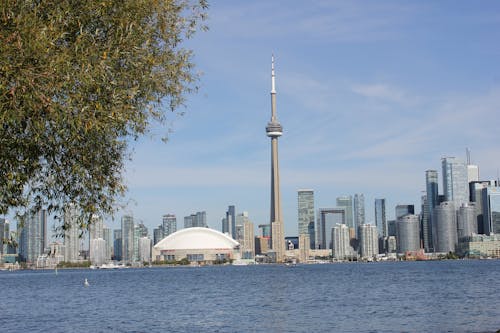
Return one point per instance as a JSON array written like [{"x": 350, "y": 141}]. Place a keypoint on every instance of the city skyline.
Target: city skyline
[{"x": 371, "y": 96}]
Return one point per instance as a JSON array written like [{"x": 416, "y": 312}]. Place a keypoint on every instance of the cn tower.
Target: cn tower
[{"x": 274, "y": 131}]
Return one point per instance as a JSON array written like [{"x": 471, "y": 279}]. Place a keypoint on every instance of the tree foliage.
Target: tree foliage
[{"x": 78, "y": 79}]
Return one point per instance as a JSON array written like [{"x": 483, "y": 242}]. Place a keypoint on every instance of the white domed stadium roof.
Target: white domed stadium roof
[{"x": 196, "y": 238}]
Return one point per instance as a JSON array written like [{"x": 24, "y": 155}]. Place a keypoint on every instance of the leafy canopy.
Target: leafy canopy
[{"x": 78, "y": 79}]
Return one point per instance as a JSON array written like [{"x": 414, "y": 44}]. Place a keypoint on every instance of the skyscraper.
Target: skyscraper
[
  {"x": 169, "y": 224},
  {"x": 407, "y": 233},
  {"x": 341, "y": 240},
  {"x": 229, "y": 224},
  {"x": 71, "y": 234},
  {"x": 402, "y": 210},
  {"x": 445, "y": 218},
  {"x": 127, "y": 238},
  {"x": 346, "y": 203},
  {"x": 327, "y": 219},
  {"x": 199, "y": 219},
  {"x": 455, "y": 183},
  {"x": 117, "y": 244},
  {"x": 368, "y": 240},
  {"x": 432, "y": 195},
  {"x": 359, "y": 210},
  {"x": 305, "y": 212},
  {"x": 380, "y": 218},
  {"x": 466, "y": 221},
  {"x": 274, "y": 130},
  {"x": 491, "y": 210},
  {"x": 32, "y": 236}
]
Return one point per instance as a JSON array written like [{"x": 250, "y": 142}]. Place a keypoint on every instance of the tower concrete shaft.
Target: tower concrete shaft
[{"x": 274, "y": 131}]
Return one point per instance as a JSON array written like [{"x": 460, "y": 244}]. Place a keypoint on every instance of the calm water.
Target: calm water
[{"x": 446, "y": 296}]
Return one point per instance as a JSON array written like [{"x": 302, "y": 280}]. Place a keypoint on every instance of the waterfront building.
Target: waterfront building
[
  {"x": 265, "y": 230},
  {"x": 137, "y": 235},
  {"x": 169, "y": 224},
  {"x": 71, "y": 234},
  {"x": 341, "y": 248},
  {"x": 32, "y": 231},
  {"x": 97, "y": 251},
  {"x": 229, "y": 222},
  {"x": 380, "y": 218},
  {"x": 127, "y": 238},
  {"x": 359, "y": 210},
  {"x": 391, "y": 228},
  {"x": 144, "y": 249},
  {"x": 202, "y": 245},
  {"x": 157, "y": 234},
  {"x": 305, "y": 212},
  {"x": 402, "y": 210},
  {"x": 327, "y": 219},
  {"x": 108, "y": 238},
  {"x": 491, "y": 210},
  {"x": 274, "y": 130},
  {"x": 346, "y": 203},
  {"x": 486, "y": 246},
  {"x": 407, "y": 233},
  {"x": 466, "y": 220},
  {"x": 197, "y": 220},
  {"x": 432, "y": 197},
  {"x": 446, "y": 227},
  {"x": 96, "y": 227},
  {"x": 248, "y": 244},
  {"x": 391, "y": 244},
  {"x": 304, "y": 247},
  {"x": 368, "y": 240},
  {"x": 4, "y": 235},
  {"x": 476, "y": 196},
  {"x": 117, "y": 244},
  {"x": 455, "y": 183},
  {"x": 262, "y": 244}
]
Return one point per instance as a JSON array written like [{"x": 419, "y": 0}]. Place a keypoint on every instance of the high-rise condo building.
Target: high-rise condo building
[
  {"x": 32, "y": 233},
  {"x": 108, "y": 238},
  {"x": 127, "y": 238},
  {"x": 71, "y": 234},
  {"x": 4, "y": 234},
  {"x": 432, "y": 197},
  {"x": 144, "y": 249},
  {"x": 169, "y": 224},
  {"x": 305, "y": 212},
  {"x": 476, "y": 196},
  {"x": 491, "y": 210},
  {"x": 117, "y": 244},
  {"x": 196, "y": 220},
  {"x": 445, "y": 218},
  {"x": 229, "y": 223},
  {"x": 327, "y": 219},
  {"x": 359, "y": 210},
  {"x": 455, "y": 183},
  {"x": 341, "y": 241},
  {"x": 466, "y": 221},
  {"x": 96, "y": 227},
  {"x": 368, "y": 241},
  {"x": 157, "y": 234},
  {"x": 274, "y": 130},
  {"x": 402, "y": 210},
  {"x": 407, "y": 233},
  {"x": 346, "y": 203},
  {"x": 380, "y": 218}
]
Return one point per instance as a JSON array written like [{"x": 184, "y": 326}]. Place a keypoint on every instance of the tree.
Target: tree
[{"x": 78, "y": 80}]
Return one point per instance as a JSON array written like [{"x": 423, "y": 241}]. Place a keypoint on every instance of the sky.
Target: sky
[{"x": 370, "y": 94}]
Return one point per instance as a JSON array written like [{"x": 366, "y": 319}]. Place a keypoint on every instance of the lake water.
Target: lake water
[{"x": 444, "y": 296}]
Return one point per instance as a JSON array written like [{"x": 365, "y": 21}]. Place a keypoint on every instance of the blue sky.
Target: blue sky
[{"x": 370, "y": 94}]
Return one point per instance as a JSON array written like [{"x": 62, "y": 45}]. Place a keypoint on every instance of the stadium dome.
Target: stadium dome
[{"x": 196, "y": 244}]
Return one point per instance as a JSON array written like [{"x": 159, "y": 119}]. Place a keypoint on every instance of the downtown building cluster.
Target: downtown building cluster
[{"x": 464, "y": 219}]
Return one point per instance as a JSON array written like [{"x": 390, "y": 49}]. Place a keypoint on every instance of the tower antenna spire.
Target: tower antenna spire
[{"x": 273, "y": 86}]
